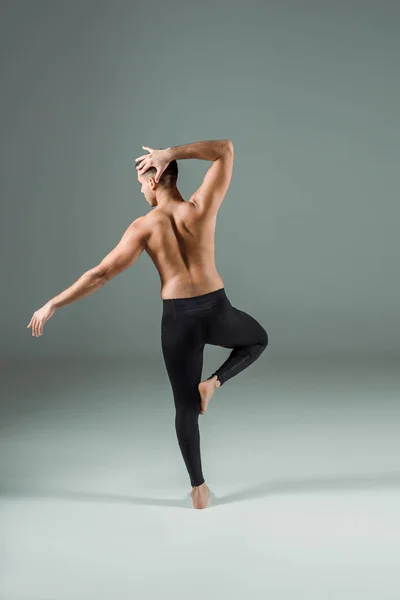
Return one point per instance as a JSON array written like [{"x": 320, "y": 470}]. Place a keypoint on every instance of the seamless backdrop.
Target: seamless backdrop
[{"x": 307, "y": 237}]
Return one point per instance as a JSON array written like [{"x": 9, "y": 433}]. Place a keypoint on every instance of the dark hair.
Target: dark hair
[{"x": 168, "y": 178}]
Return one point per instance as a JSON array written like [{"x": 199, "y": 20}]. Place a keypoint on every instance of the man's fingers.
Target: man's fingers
[
  {"x": 144, "y": 155},
  {"x": 144, "y": 166},
  {"x": 160, "y": 172}
]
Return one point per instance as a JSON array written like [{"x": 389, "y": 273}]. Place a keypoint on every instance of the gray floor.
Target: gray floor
[{"x": 302, "y": 462}]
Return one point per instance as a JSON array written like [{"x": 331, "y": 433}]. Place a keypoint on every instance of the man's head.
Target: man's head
[{"x": 167, "y": 182}]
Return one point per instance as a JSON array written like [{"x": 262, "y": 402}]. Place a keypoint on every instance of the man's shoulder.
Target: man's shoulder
[
  {"x": 141, "y": 226},
  {"x": 143, "y": 221},
  {"x": 139, "y": 220}
]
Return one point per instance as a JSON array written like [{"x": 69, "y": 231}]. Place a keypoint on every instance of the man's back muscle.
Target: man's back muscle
[{"x": 181, "y": 246}]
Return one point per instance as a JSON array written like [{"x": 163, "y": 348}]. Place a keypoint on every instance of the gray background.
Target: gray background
[
  {"x": 307, "y": 237},
  {"x": 301, "y": 450}
]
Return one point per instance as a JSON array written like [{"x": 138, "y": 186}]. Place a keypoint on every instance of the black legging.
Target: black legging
[{"x": 187, "y": 325}]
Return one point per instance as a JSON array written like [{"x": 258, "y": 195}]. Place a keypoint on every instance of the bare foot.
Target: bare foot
[
  {"x": 200, "y": 495},
  {"x": 206, "y": 389}
]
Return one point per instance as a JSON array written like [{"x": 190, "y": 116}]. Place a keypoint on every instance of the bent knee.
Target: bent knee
[{"x": 264, "y": 338}]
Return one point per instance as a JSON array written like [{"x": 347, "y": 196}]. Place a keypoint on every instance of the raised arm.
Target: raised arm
[
  {"x": 209, "y": 196},
  {"x": 208, "y": 150}
]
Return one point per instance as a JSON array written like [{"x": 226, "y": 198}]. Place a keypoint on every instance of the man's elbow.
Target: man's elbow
[
  {"x": 229, "y": 145},
  {"x": 98, "y": 273}
]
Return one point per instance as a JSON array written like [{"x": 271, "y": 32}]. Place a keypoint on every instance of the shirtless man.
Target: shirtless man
[{"x": 179, "y": 238}]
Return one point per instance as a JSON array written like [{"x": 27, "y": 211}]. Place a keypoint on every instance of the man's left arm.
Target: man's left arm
[{"x": 125, "y": 253}]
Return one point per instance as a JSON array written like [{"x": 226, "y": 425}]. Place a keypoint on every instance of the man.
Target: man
[{"x": 179, "y": 238}]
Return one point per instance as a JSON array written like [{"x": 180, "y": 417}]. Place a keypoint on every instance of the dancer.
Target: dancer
[{"x": 179, "y": 238}]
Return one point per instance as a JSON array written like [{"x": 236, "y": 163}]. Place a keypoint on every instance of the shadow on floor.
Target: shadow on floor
[{"x": 373, "y": 481}]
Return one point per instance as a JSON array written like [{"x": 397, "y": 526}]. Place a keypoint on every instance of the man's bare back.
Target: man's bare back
[
  {"x": 179, "y": 235},
  {"x": 181, "y": 245}
]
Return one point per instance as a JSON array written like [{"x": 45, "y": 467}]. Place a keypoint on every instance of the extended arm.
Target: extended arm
[
  {"x": 87, "y": 283},
  {"x": 127, "y": 251}
]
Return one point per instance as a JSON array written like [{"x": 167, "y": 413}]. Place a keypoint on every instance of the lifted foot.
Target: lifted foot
[{"x": 207, "y": 389}]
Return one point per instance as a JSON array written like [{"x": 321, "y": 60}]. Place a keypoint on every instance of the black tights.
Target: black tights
[{"x": 187, "y": 325}]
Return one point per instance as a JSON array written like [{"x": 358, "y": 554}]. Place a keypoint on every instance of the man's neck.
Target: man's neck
[{"x": 169, "y": 198}]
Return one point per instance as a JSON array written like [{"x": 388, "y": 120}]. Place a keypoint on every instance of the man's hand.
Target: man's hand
[
  {"x": 159, "y": 159},
  {"x": 40, "y": 317}
]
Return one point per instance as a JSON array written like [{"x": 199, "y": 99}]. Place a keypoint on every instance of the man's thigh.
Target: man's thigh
[{"x": 234, "y": 328}]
